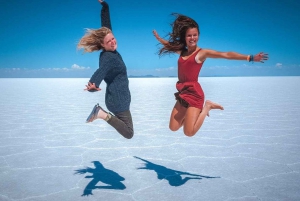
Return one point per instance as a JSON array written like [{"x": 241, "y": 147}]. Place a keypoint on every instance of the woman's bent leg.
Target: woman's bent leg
[
  {"x": 122, "y": 122},
  {"x": 194, "y": 117},
  {"x": 177, "y": 116}
]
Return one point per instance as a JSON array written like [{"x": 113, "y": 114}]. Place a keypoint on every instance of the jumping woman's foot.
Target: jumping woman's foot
[
  {"x": 97, "y": 113},
  {"x": 102, "y": 114},
  {"x": 211, "y": 105}
]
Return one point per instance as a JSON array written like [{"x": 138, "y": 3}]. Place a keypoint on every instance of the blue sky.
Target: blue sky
[{"x": 38, "y": 38}]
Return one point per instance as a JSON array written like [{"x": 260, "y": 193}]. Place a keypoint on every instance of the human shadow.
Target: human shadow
[
  {"x": 101, "y": 174},
  {"x": 174, "y": 177}
]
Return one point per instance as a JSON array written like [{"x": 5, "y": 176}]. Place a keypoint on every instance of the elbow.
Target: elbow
[
  {"x": 227, "y": 55},
  {"x": 230, "y": 55}
]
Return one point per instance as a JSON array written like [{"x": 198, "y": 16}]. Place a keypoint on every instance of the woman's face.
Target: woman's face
[
  {"x": 109, "y": 42},
  {"x": 191, "y": 37}
]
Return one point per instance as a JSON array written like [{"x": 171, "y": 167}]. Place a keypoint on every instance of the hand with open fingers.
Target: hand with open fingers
[
  {"x": 261, "y": 57},
  {"x": 156, "y": 34},
  {"x": 91, "y": 87}
]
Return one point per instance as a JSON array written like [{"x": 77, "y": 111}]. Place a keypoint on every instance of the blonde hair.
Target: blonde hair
[{"x": 93, "y": 39}]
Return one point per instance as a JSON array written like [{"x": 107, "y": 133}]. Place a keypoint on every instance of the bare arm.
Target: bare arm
[
  {"x": 260, "y": 57},
  {"x": 161, "y": 40}
]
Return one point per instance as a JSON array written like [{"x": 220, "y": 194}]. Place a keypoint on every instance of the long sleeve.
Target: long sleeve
[
  {"x": 101, "y": 72},
  {"x": 97, "y": 77},
  {"x": 112, "y": 71},
  {"x": 105, "y": 17}
]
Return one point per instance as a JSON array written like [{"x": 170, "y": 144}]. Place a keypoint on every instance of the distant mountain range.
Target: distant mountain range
[
  {"x": 137, "y": 76},
  {"x": 147, "y": 76}
]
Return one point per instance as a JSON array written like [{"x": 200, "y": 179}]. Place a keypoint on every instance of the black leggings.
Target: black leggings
[{"x": 122, "y": 122}]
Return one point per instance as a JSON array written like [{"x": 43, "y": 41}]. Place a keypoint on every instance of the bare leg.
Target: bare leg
[
  {"x": 102, "y": 114},
  {"x": 177, "y": 117},
  {"x": 194, "y": 117}
]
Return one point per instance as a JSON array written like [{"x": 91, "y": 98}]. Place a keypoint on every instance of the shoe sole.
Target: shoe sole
[{"x": 93, "y": 113}]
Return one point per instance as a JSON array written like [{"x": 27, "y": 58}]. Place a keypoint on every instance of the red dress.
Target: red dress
[{"x": 190, "y": 93}]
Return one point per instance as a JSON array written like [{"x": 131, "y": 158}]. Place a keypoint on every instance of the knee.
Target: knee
[
  {"x": 129, "y": 135},
  {"x": 119, "y": 186},
  {"x": 172, "y": 128},
  {"x": 189, "y": 133},
  {"x": 122, "y": 187}
]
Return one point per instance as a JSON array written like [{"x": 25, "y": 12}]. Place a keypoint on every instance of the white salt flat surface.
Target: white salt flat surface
[{"x": 249, "y": 151}]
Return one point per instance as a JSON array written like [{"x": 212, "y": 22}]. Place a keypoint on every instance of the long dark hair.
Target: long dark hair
[{"x": 176, "y": 41}]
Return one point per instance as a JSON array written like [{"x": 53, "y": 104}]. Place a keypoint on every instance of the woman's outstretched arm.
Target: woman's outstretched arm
[
  {"x": 260, "y": 57},
  {"x": 104, "y": 15},
  {"x": 161, "y": 40}
]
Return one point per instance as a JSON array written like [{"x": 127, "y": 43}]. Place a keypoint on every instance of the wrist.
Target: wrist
[
  {"x": 250, "y": 58},
  {"x": 103, "y": 3}
]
